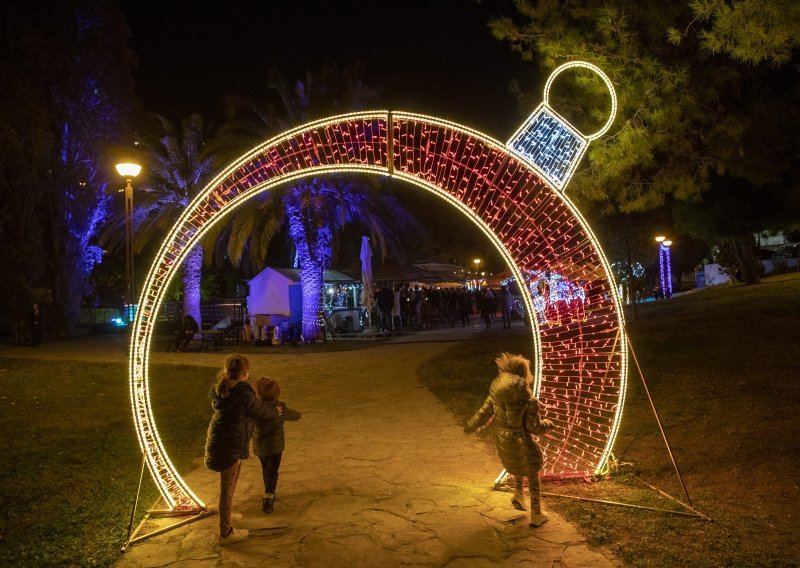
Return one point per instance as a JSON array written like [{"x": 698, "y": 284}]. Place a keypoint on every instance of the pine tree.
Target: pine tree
[{"x": 706, "y": 103}]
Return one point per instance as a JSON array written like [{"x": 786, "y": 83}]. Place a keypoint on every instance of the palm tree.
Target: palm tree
[
  {"x": 177, "y": 166},
  {"x": 315, "y": 209}
]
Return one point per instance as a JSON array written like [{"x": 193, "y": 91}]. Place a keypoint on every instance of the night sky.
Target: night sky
[{"x": 433, "y": 57}]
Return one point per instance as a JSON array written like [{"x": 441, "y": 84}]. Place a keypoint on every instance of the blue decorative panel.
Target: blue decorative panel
[{"x": 550, "y": 144}]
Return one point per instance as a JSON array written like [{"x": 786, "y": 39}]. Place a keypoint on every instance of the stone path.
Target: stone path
[{"x": 376, "y": 474}]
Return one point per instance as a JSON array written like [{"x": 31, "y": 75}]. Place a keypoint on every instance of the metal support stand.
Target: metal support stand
[
  {"x": 690, "y": 512},
  {"x": 660, "y": 426},
  {"x": 152, "y": 513},
  {"x": 135, "y": 503},
  {"x": 135, "y": 537}
]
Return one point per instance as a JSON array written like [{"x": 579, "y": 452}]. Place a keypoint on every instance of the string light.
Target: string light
[
  {"x": 555, "y": 298},
  {"x": 549, "y": 142},
  {"x": 581, "y": 363},
  {"x": 665, "y": 265}
]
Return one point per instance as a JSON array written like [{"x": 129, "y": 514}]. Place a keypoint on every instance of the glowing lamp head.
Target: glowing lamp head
[
  {"x": 477, "y": 261},
  {"x": 667, "y": 243},
  {"x": 129, "y": 170},
  {"x": 660, "y": 239}
]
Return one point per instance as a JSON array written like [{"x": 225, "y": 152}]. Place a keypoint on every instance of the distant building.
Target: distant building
[
  {"x": 767, "y": 239},
  {"x": 276, "y": 291}
]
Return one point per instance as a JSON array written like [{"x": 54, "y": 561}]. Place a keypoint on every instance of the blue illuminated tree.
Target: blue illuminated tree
[
  {"x": 313, "y": 210},
  {"x": 67, "y": 91}
]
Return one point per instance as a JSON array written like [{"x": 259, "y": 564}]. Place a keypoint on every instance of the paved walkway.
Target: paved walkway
[{"x": 376, "y": 474}]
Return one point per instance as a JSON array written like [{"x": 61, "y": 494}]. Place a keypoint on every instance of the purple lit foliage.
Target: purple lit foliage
[
  {"x": 89, "y": 102},
  {"x": 312, "y": 210}
]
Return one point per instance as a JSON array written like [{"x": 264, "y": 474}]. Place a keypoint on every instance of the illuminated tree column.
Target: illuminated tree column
[{"x": 665, "y": 268}]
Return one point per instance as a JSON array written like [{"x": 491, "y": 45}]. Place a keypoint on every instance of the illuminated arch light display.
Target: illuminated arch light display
[{"x": 581, "y": 362}]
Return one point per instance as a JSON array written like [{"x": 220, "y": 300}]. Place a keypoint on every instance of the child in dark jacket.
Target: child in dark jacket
[
  {"x": 269, "y": 441},
  {"x": 234, "y": 402}
]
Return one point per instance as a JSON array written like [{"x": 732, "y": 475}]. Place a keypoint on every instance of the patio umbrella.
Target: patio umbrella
[{"x": 367, "y": 298}]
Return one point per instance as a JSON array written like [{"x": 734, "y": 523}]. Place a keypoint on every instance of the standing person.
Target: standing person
[
  {"x": 35, "y": 318},
  {"x": 417, "y": 303},
  {"x": 397, "y": 314},
  {"x": 269, "y": 440},
  {"x": 452, "y": 306},
  {"x": 492, "y": 302},
  {"x": 484, "y": 303},
  {"x": 405, "y": 306},
  {"x": 186, "y": 333},
  {"x": 508, "y": 305},
  {"x": 234, "y": 402},
  {"x": 464, "y": 307},
  {"x": 500, "y": 300},
  {"x": 385, "y": 300},
  {"x": 514, "y": 412}
]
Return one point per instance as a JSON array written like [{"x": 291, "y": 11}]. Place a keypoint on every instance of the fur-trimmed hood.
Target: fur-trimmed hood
[{"x": 509, "y": 390}]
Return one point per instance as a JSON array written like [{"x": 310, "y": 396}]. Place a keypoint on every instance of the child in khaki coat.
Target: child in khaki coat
[
  {"x": 269, "y": 441},
  {"x": 514, "y": 412}
]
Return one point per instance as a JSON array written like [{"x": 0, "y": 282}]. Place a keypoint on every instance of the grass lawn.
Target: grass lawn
[
  {"x": 71, "y": 461},
  {"x": 722, "y": 366}
]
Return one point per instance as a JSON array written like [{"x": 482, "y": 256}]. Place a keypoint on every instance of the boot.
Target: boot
[
  {"x": 519, "y": 498},
  {"x": 268, "y": 503},
  {"x": 233, "y": 536},
  {"x": 538, "y": 518}
]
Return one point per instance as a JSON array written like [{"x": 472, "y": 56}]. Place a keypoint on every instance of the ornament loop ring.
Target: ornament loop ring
[{"x": 605, "y": 79}]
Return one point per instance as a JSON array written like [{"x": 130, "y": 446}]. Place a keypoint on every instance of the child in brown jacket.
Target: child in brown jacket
[{"x": 269, "y": 441}]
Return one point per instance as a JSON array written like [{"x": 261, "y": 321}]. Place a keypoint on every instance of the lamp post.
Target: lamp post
[
  {"x": 477, "y": 263},
  {"x": 129, "y": 171},
  {"x": 664, "y": 265}
]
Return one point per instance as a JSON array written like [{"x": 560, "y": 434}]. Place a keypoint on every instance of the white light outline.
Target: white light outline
[
  {"x": 585, "y": 65},
  {"x": 139, "y": 353},
  {"x": 545, "y": 106}
]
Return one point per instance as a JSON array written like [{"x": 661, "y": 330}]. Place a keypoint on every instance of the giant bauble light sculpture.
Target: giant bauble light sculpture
[{"x": 513, "y": 192}]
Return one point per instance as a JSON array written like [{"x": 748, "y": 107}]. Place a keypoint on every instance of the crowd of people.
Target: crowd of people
[{"x": 407, "y": 308}]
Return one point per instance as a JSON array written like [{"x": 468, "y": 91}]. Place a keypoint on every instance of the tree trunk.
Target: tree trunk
[
  {"x": 192, "y": 277},
  {"x": 745, "y": 255},
  {"x": 311, "y": 282},
  {"x": 312, "y": 241},
  {"x": 631, "y": 279}
]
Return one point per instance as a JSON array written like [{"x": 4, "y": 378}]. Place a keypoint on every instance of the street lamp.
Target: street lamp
[
  {"x": 129, "y": 171},
  {"x": 664, "y": 265}
]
